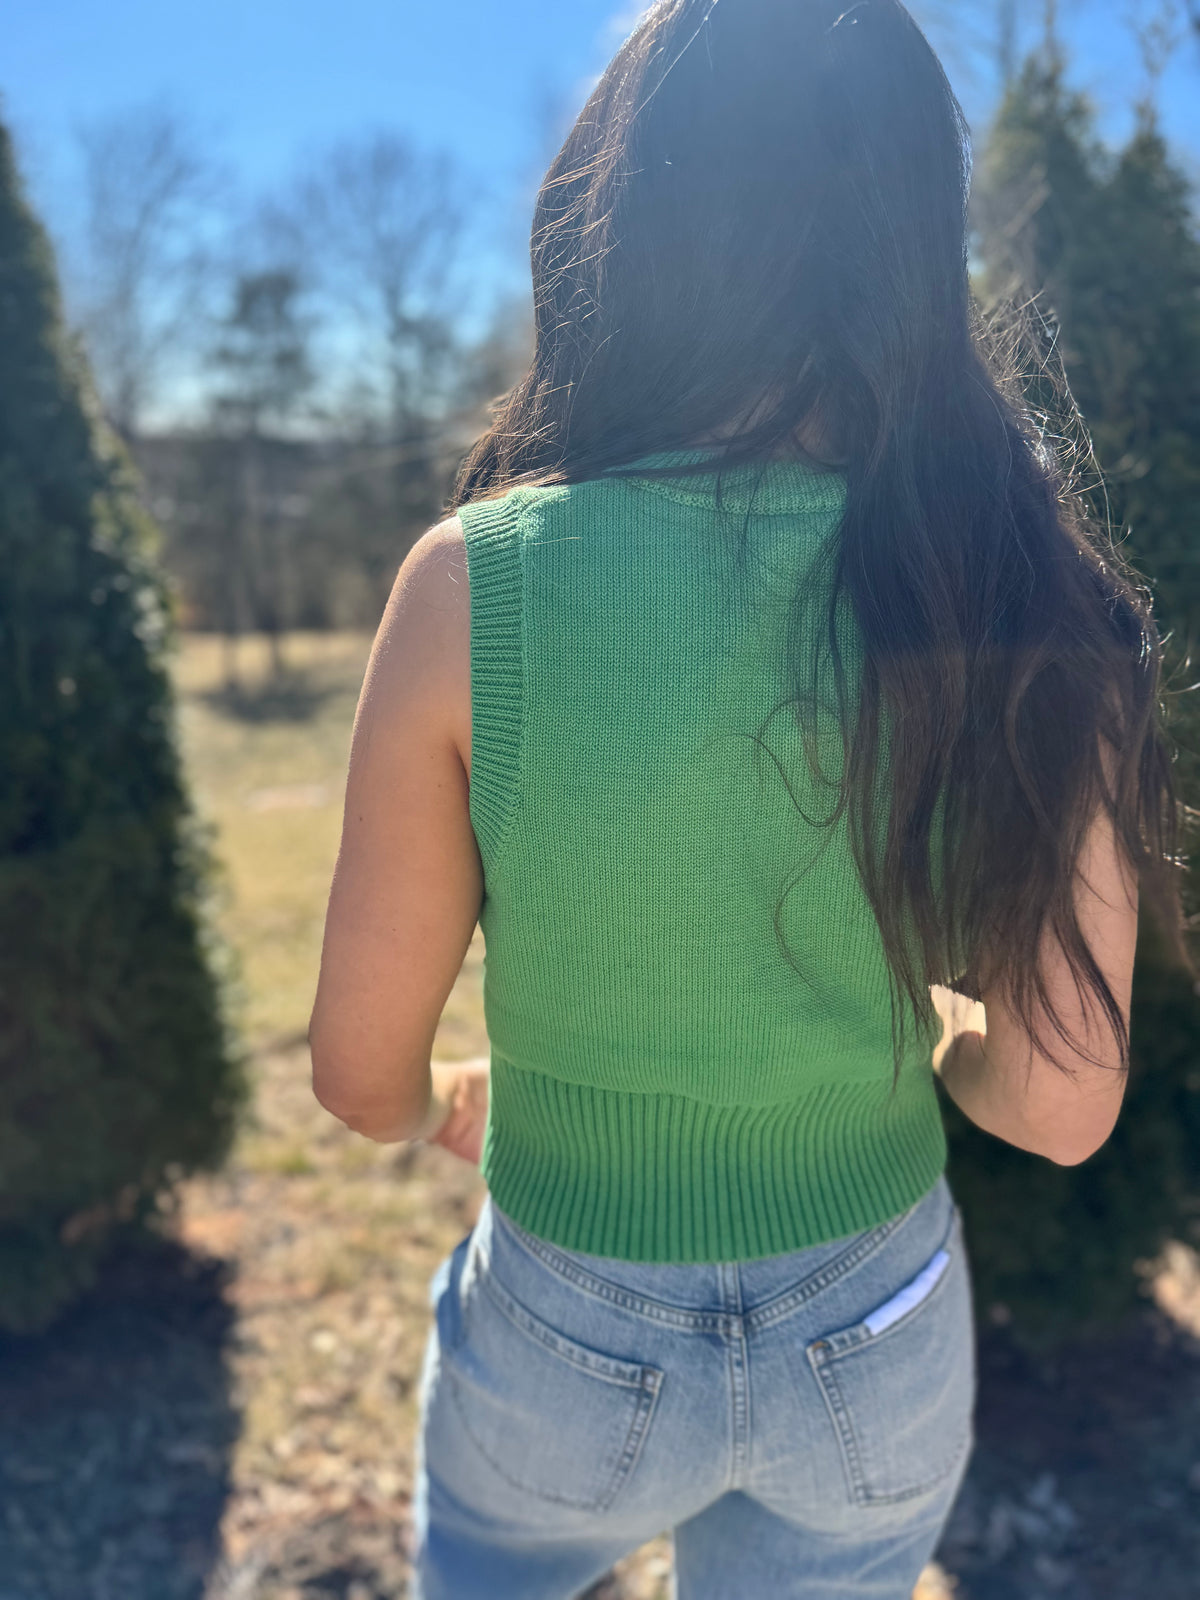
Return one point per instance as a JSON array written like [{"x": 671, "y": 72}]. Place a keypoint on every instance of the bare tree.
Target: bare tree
[
  {"x": 1006, "y": 41},
  {"x": 383, "y": 222},
  {"x": 979, "y": 42},
  {"x": 149, "y": 191},
  {"x": 265, "y": 374},
  {"x": 1159, "y": 27},
  {"x": 262, "y": 353},
  {"x": 1051, "y": 43},
  {"x": 381, "y": 227}
]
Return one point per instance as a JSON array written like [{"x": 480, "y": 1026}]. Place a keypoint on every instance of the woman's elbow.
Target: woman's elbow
[
  {"x": 386, "y": 1121},
  {"x": 340, "y": 1086},
  {"x": 328, "y": 1072},
  {"x": 1073, "y": 1152},
  {"x": 329, "y": 1081},
  {"x": 1080, "y": 1139}
]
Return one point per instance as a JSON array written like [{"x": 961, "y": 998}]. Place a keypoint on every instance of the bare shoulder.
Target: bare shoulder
[
  {"x": 420, "y": 663},
  {"x": 435, "y": 568}
]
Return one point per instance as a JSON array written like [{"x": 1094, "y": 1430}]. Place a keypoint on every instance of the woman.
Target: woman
[{"x": 764, "y": 681}]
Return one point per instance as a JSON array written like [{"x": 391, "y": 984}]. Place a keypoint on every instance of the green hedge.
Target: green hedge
[
  {"x": 1104, "y": 243},
  {"x": 117, "y": 1070}
]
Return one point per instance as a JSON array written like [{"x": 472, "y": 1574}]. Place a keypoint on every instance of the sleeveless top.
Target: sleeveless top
[{"x": 666, "y": 1083}]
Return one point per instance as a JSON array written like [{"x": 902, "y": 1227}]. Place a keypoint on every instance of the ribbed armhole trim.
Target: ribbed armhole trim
[{"x": 497, "y": 667}]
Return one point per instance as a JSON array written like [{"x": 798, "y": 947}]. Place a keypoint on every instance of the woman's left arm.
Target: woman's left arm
[{"x": 408, "y": 883}]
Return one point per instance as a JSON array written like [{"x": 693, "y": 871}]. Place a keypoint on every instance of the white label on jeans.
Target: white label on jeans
[{"x": 911, "y": 1294}]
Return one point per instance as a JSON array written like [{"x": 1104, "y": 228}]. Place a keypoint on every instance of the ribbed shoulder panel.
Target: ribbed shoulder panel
[{"x": 491, "y": 529}]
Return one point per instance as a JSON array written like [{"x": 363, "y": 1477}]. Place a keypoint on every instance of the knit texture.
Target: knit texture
[{"x": 667, "y": 1085}]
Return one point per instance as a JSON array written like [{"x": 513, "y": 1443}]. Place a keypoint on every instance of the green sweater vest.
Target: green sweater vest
[{"x": 666, "y": 1085}]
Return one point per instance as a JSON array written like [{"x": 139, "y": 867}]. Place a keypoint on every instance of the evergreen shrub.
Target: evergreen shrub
[
  {"x": 117, "y": 1069},
  {"x": 1105, "y": 249}
]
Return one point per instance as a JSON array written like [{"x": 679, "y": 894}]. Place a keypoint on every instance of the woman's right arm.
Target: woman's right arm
[{"x": 1013, "y": 1091}]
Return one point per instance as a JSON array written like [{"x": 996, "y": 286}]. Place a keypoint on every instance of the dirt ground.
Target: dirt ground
[{"x": 231, "y": 1415}]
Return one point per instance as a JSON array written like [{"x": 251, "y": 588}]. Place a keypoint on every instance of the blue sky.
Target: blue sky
[
  {"x": 264, "y": 82},
  {"x": 267, "y": 79}
]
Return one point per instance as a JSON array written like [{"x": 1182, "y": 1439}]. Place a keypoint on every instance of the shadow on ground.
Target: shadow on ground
[
  {"x": 116, "y": 1429},
  {"x": 354, "y": 1555},
  {"x": 1085, "y": 1484},
  {"x": 292, "y": 696}
]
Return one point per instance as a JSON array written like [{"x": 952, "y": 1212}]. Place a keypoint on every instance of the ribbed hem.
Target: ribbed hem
[{"x": 656, "y": 1177}]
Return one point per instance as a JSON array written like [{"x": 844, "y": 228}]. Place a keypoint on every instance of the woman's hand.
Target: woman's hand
[
  {"x": 959, "y": 1014},
  {"x": 460, "y": 1090}
]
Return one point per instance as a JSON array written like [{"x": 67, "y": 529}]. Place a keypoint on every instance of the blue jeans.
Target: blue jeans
[{"x": 801, "y": 1422}]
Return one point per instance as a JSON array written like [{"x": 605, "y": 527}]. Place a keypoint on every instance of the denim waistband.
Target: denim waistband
[{"x": 701, "y": 1296}]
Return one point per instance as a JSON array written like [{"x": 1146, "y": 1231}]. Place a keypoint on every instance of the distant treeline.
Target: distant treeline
[
  {"x": 264, "y": 534},
  {"x": 295, "y": 375}
]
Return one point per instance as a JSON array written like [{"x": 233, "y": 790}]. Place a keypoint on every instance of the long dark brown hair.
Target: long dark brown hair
[{"x": 756, "y": 232}]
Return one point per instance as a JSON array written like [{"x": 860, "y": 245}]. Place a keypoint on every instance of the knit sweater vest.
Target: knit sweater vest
[{"x": 673, "y": 1078}]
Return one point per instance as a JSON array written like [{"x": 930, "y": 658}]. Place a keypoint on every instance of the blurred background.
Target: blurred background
[{"x": 262, "y": 268}]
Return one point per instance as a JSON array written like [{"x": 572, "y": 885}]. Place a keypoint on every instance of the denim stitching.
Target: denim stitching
[
  {"x": 835, "y": 1404},
  {"x": 706, "y": 1321},
  {"x": 823, "y": 1362},
  {"x": 641, "y": 1381},
  {"x": 951, "y": 1243},
  {"x": 612, "y": 1293},
  {"x": 626, "y": 1374},
  {"x": 773, "y": 1311},
  {"x": 638, "y": 1430},
  {"x": 644, "y": 1402}
]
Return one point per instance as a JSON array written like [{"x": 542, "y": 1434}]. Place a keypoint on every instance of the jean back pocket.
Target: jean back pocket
[
  {"x": 899, "y": 1383},
  {"x": 553, "y": 1417}
]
